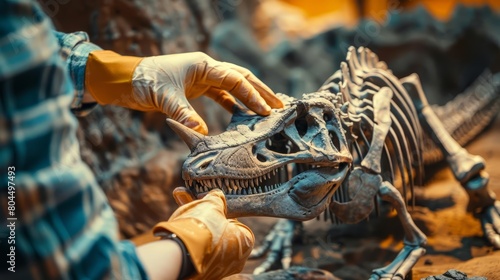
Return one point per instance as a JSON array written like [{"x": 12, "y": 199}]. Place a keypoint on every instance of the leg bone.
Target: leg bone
[
  {"x": 463, "y": 164},
  {"x": 413, "y": 241}
]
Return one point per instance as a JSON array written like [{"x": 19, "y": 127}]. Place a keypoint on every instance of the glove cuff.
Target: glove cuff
[
  {"x": 195, "y": 235},
  {"x": 108, "y": 77}
]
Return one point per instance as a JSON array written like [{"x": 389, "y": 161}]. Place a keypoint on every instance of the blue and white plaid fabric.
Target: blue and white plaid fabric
[{"x": 64, "y": 227}]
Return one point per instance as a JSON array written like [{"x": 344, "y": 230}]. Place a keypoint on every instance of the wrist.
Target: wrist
[
  {"x": 187, "y": 267},
  {"x": 196, "y": 238}
]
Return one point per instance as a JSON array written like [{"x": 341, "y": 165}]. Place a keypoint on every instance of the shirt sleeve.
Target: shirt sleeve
[
  {"x": 61, "y": 225},
  {"x": 75, "y": 49}
]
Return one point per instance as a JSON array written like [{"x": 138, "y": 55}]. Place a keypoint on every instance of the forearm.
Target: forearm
[{"x": 161, "y": 259}]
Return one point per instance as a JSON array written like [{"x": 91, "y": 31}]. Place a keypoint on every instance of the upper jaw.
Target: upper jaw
[
  {"x": 268, "y": 179},
  {"x": 295, "y": 199}
]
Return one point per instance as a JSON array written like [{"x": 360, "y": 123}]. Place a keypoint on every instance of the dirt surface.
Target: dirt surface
[{"x": 455, "y": 239}]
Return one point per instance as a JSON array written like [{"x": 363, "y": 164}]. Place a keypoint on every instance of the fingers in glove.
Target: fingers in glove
[
  {"x": 225, "y": 78},
  {"x": 193, "y": 121},
  {"x": 182, "y": 196},
  {"x": 179, "y": 109},
  {"x": 212, "y": 204},
  {"x": 266, "y": 93},
  {"x": 222, "y": 97}
]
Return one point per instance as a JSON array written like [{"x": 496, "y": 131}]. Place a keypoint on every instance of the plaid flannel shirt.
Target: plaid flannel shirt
[{"x": 63, "y": 225}]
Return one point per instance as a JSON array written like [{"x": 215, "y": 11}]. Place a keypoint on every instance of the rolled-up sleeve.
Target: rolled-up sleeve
[{"x": 75, "y": 49}]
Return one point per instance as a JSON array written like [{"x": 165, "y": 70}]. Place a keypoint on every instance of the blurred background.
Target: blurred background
[{"x": 292, "y": 45}]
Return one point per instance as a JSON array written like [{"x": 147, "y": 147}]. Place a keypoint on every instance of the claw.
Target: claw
[
  {"x": 490, "y": 221},
  {"x": 401, "y": 266},
  {"x": 278, "y": 244}
]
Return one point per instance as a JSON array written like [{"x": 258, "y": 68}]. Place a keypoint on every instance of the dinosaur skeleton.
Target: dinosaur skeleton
[{"x": 335, "y": 151}]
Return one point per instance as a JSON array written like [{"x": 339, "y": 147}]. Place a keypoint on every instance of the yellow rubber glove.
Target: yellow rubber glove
[
  {"x": 218, "y": 246},
  {"x": 165, "y": 83}
]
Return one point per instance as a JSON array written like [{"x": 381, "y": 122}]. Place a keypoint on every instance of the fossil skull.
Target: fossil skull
[{"x": 288, "y": 164}]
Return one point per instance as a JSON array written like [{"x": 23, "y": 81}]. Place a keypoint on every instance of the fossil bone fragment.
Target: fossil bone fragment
[{"x": 335, "y": 150}]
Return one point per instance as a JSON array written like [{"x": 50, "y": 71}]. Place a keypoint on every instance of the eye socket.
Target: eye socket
[
  {"x": 261, "y": 158},
  {"x": 205, "y": 165}
]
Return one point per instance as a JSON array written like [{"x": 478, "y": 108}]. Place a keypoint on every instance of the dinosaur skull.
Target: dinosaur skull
[{"x": 288, "y": 164}]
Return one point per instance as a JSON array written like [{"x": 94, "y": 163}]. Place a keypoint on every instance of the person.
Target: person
[{"x": 60, "y": 223}]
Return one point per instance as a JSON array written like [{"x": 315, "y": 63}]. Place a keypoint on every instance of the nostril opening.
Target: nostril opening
[
  {"x": 261, "y": 158},
  {"x": 301, "y": 126},
  {"x": 335, "y": 140},
  {"x": 327, "y": 117}
]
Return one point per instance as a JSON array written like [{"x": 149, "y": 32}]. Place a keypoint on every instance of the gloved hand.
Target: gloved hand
[
  {"x": 164, "y": 83},
  {"x": 218, "y": 246}
]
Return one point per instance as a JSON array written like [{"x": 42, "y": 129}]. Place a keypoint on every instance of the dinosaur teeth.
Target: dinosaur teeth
[{"x": 267, "y": 182}]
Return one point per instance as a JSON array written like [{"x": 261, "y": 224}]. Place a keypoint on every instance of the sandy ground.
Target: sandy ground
[{"x": 455, "y": 238}]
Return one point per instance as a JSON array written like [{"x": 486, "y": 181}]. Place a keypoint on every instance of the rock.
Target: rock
[
  {"x": 454, "y": 274},
  {"x": 293, "y": 273}
]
